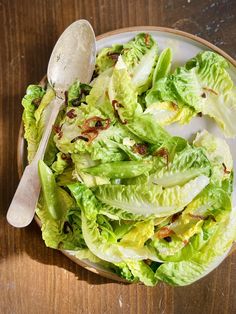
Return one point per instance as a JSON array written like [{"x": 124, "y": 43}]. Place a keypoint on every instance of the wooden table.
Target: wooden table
[{"x": 33, "y": 278}]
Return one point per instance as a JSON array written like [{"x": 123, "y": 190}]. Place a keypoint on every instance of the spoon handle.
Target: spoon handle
[{"x": 22, "y": 208}]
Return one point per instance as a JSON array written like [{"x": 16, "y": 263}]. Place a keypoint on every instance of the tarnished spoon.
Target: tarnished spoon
[{"x": 73, "y": 58}]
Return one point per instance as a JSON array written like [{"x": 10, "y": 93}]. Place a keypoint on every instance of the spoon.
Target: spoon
[{"x": 73, "y": 58}]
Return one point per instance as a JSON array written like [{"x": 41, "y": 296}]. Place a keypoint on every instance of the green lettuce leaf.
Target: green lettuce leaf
[
  {"x": 33, "y": 97},
  {"x": 77, "y": 93},
  {"x": 205, "y": 260},
  {"x": 98, "y": 96},
  {"x": 146, "y": 128},
  {"x": 143, "y": 272},
  {"x": 163, "y": 65},
  {"x": 140, "y": 55},
  {"x": 82, "y": 162},
  {"x": 50, "y": 191},
  {"x": 122, "y": 92},
  {"x": 204, "y": 85},
  {"x": 60, "y": 164},
  {"x": 124, "y": 271},
  {"x": 142, "y": 74},
  {"x": 107, "y": 58},
  {"x": 120, "y": 169},
  {"x": 66, "y": 177},
  {"x": 186, "y": 165},
  {"x": 35, "y": 116},
  {"x": 153, "y": 199},
  {"x": 64, "y": 233},
  {"x": 166, "y": 113},
  {"x": 218, "y": 152}
]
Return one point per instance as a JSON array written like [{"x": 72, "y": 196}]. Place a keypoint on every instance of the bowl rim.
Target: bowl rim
[{"x": 21, "y": 142}]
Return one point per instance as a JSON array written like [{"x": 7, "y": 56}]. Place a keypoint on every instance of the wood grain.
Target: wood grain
[{"x": 33, "y": 278}]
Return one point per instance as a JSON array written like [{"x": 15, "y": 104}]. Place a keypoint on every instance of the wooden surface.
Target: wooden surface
[{"x": 33, "y": 278}]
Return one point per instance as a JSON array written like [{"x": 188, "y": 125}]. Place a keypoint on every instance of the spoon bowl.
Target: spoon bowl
[{"x": 73, "y": 56}]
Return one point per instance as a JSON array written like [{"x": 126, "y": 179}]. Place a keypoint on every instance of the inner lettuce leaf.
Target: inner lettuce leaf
[
  {"x": 82, "y": 162},
  {"x": 166, "y": 113},
  {"x": 151, "y": 199},
  {"x": 120, "y": 169},
  {"x": 98, "y": 96},
  {"x": 122, "y": 93},
  {"x": 139, "y": 56}
]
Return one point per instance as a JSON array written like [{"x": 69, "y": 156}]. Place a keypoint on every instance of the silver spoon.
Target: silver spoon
[{"x": 73, "y": 58}]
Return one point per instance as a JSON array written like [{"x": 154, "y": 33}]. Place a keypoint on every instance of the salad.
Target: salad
[{"x": 117, "y": 188}]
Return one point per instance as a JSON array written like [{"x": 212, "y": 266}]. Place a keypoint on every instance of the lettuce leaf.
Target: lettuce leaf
[
  {"x": 218, "y": 152},
  {"x": 143, "y": 272},
  {"x": 120, "y": 169},
  {"x": 65, "y": 233},
  {"x": 77, "y": 93},
  {"x": 148, "y": 200},
  {"x": 163, "y": 65},
  {"x": 204, "y": 260},
  {"x": 203, "y": 85},
  {"x": 34, "y": 94},
  {"x": 107, "y": 58},
  {"x": 35, "y": 116},
  {"x": 122, "y": 92},
  {"x": 186, "y": 165}
]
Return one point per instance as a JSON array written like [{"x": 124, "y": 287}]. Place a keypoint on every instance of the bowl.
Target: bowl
[{"x": 184, "y": 46}]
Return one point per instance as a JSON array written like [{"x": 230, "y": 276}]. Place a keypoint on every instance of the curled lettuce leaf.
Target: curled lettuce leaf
[
  {"x": 34, "y": 94},
  {"x": 98, "y": 96},
  {"x": 60, "y": 164},
  {"x": 35, "y": 117},
  {"x": 122, "y": 92},
  {"x": 151, "y": 199},
  {"x": 218, "y": 152},
  {"x": 139, "y": 56},
  {"x": 145, "y": 127},
  {"x": 203, "y": 85},
  {"x": 186, "y": 165}
]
